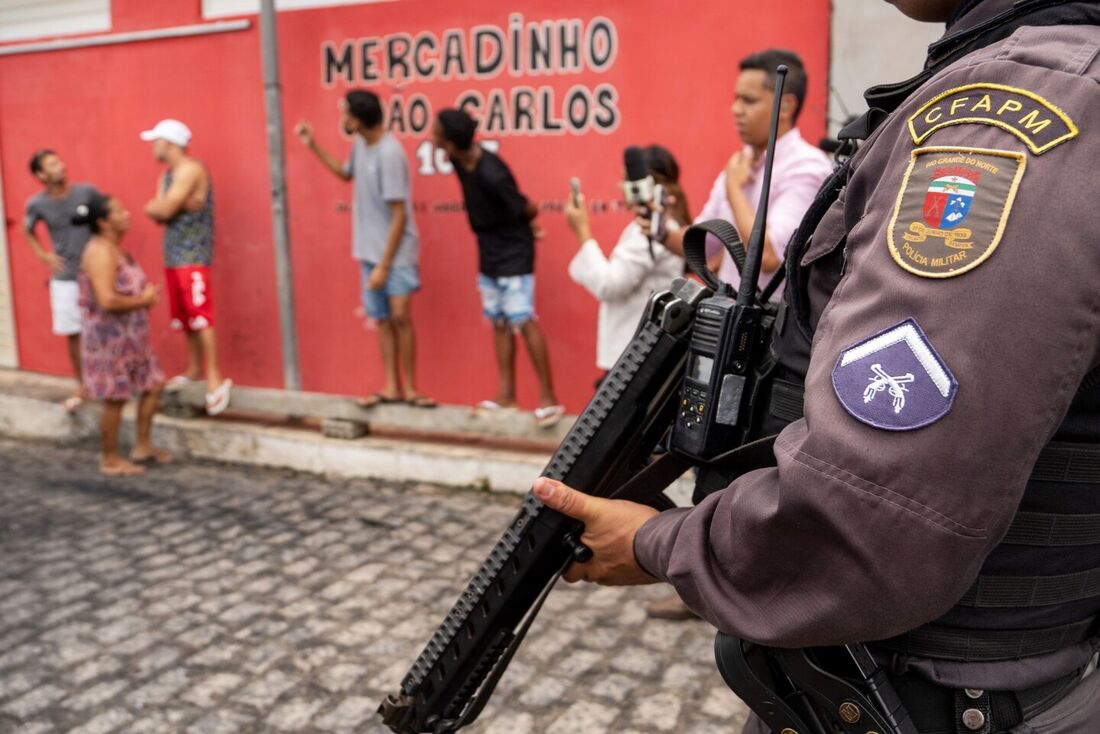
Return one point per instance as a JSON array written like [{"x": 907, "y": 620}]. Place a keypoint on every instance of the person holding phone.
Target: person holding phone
[{"x": 636, "y": 267}]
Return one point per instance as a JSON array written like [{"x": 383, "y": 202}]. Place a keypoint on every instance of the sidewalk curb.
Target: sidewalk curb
[
  {"x": 286, "y": 448},
  {"x": 37, "y": 414}
]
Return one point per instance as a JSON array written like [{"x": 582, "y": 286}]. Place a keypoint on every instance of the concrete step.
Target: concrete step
[
  {"x": 344, "y": 416},
  {"x": 30, "y": 407}
]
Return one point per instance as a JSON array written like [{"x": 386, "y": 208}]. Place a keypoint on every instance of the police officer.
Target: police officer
[{"x": 940, "y": 500}]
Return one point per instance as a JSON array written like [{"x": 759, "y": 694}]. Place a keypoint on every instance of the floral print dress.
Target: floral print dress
[{"x": 117, "y": 358}]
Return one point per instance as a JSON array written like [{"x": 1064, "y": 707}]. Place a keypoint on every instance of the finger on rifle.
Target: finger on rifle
[
  {"x": 557, "y": 496},
  {"x": 574, "y": 573}
]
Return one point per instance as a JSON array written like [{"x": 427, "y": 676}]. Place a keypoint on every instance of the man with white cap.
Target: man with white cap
[{"x": 184, "y": 204}]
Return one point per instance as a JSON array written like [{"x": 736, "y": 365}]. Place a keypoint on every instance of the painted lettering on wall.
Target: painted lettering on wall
[{"x": 526, "y": 54}]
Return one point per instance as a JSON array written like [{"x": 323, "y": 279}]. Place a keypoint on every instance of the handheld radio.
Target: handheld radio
[{"x": 714, "y": 412}]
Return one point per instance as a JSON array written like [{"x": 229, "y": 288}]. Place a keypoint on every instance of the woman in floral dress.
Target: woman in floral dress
[{"x": 119, "y": 362}]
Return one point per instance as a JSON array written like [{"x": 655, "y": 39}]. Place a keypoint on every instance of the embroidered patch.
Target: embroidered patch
[
  {"x": 1024, "y": 114},
  {"x": 952, "y": 208},
  {"x": 894, "y": 380}
]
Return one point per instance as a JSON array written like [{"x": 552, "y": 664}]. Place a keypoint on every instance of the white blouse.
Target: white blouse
[{"x": 623, "y": 283}]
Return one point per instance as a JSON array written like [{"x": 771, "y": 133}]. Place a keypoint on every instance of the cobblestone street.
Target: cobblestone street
[{"x": 209, "y": 599}]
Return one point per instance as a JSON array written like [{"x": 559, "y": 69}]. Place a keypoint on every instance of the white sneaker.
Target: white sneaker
[{"x": 218, "y": 401}]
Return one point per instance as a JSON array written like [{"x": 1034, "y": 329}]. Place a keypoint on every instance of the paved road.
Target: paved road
[{"x": 208, "y": 599}]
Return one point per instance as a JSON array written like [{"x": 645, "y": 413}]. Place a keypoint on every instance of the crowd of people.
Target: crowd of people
[{"x": 385, "y": 244}]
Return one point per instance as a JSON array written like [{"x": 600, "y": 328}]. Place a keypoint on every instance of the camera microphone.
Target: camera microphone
[{"x": 638, "y": 186}]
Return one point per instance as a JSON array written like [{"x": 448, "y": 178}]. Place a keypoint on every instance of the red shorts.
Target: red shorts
[{"x": 190, "y": 297}]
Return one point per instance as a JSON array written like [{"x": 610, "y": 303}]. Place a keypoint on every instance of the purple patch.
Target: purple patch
[{"x": 894, "y": 380}]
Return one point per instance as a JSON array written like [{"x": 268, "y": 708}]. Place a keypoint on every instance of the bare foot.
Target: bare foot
[
  {"x": 150, "y": 455},
  {"x": 117, "y": 466}
]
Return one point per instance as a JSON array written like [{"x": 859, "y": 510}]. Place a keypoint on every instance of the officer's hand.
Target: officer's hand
[{"x": 609, "y": 529}]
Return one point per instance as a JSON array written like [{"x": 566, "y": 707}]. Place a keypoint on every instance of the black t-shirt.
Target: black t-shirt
[{"x": 495, "y": 206}]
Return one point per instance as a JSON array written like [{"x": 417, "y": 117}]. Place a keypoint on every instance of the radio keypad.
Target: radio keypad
[{"x": 693, "y": 405}]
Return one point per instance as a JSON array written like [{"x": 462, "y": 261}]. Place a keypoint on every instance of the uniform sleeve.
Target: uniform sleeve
[
  {"x": 396, "y": 185},
  {"x": 861, "y": 533},
  {"x": 503, "y": 184},
  {"x": 614, "y": 278}
]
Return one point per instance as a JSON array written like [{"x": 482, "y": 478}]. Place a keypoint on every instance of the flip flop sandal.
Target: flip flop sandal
[
  {"x": 548, "y": 415},
  {"x": 377, "y": 399},
  {"x": 218, "y": 401},
  {"x": 421, "y": 401}
]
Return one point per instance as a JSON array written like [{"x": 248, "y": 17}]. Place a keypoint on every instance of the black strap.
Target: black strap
[
  {"x": 1075, "y": 463},
  {"x": 976, "y": 646},
  {"x": 1092, "y": 379},
  {"x": 695, "y": 248},
  {"x": 938, "y": 709},
  {"x": 1049, "y": 530},
  {"x": 797, "y": 298},
  {"x": 787, "y": 400},
  {"x": 1008, "y": 592}
]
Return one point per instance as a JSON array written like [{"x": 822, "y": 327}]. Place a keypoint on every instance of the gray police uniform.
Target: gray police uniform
[{"x": 940, "y": 499}]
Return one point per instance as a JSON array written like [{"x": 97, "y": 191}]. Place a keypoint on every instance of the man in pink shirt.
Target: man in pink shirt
[{"x": 800, "y": 168}]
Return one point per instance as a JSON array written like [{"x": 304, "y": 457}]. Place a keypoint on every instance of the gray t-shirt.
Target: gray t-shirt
[
  {"x": 381, "y": 175},
  {"x": 68, "y": 239}
]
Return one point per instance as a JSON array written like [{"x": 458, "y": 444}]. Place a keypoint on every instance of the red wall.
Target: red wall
[{"x": 673, "y": 74}]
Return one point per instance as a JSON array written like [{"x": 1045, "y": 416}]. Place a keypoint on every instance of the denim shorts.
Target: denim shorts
[
  {"x": 403, "y": 280},
  {"x": 509, "y": 299}
]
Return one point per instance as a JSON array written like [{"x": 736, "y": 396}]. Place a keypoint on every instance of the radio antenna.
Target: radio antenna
[{"x": 746, "y": 296}]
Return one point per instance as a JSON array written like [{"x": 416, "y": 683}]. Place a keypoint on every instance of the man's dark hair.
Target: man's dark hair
[
  {"x": 458, "y": 127},
  {"x": 767, "y": 61},
  {"x": 37, "y": 158},
  {"x": 365, "y": 107}
]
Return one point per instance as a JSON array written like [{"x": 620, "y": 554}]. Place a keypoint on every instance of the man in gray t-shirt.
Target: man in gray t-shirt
[
  {"x": 384, "y": 238},
  {"x": 55, "y": 205},
  {"x": 380, "y": 176}
]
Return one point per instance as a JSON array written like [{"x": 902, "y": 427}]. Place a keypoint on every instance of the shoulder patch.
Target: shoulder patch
[
  {"x": 952, "y": 209},
  {"x": 1026, "y": 115},
  {"x": 894, "y": 380}
]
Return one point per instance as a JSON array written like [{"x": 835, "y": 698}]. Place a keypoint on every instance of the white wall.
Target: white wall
[
  {"x": 872, "y": 43},
  {"x": 35, "y": 18}
]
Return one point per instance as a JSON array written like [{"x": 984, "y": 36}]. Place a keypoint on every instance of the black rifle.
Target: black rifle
[
  {"x": 611, "y": 442},
  {"x": 654, "y": 394}
]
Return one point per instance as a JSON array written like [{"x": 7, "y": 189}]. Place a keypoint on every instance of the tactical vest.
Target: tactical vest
[{"x": 1039, "y": 589}]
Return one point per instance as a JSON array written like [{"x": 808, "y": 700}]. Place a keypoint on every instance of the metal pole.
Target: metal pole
[{"x": 284, "y": 280}]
